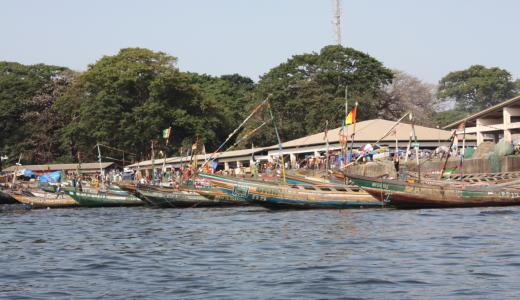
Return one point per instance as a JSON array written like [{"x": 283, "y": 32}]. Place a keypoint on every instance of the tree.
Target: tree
[
  {"x": 232, "y": 93},
  {"x": 26, "y": 94},
  {"x": 310, "y": 88},
  {"x": 449, "y": 116},
  {"x": 125, "y": 101},
  {"x": 476, "y": 88},
  {"x": 407, "y": 93},
  {"x": 42, "y": 144}
]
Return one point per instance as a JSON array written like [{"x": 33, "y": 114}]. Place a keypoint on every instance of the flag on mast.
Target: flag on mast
[
  {"x": 166, "y": 133},
  {"x": 351, "y": 117}
]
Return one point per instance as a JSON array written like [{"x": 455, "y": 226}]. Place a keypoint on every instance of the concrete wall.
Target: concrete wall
[{"x": 507, "y": 164}]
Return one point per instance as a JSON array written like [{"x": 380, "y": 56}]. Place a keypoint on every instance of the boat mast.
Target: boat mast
[
  {"x": 416, "y": 147},
  {"x": 449, "y": 152},
  {"x": 153, "y": 162},
  {"x": 353, "y": 131},
  {"x": 345, "y": 131},
  {"x": 280, "y": 148},
  {"x": 100, "y": 166},
  {"x": 212, "y": 157},
  {"x": 16, "y": 169}
]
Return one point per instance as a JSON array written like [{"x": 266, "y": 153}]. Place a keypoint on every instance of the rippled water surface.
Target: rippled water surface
[{"x": 251, "y": 253}]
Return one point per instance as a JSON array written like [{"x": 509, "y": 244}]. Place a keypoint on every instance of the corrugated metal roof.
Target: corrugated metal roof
[
  {"x": 56, "y": 167},
  {"x": 366, "y": 131},
  {"x": 200, "y": 157},
  {"x": 483, "y": 112},
  {"x": 371, "y": 131}
]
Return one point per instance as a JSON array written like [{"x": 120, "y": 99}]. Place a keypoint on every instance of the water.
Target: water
[{"x": 251, "y": 253}]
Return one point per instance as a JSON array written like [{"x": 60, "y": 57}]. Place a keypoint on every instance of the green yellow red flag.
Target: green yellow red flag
[{"x": 351, "y": 117}]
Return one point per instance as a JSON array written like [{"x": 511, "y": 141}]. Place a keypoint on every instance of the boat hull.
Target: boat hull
[
  {"x": 45, "y": 202},
  {"x": 417, "y": 195},
  {"x": 289, "y": 197},
  {"x": 104, "y": 200},
  {"x": 185, "y": 198},
  {"x": 5, "y": 198}
]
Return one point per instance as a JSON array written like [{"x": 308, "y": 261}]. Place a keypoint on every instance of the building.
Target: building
[
  {"x": 90, "y": 168},
  {"x": 224, "y": 161},
  {"x": 367, "y": 132},
  {"x": 494, "y": 123}
]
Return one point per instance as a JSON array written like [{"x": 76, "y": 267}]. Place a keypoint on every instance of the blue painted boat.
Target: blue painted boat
[{"x": 292, "y": 196}]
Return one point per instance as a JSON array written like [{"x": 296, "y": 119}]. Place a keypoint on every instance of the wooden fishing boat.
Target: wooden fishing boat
[
  {"x": 402, "y": 194},
  {"x": 104, "y": 199},
  {"x": 42, "y": 199},
  {"x": 292, "y": 196},
  {"x": 185, "y": 197},
  {"x": 6, "y": 198},
  {"x": 302, "y": 179}
]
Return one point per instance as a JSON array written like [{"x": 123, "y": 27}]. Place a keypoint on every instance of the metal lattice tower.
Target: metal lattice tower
[{"x": 337, "y": 21}]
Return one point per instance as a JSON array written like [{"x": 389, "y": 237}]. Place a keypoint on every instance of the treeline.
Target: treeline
[{"x": 53, "y": 114}]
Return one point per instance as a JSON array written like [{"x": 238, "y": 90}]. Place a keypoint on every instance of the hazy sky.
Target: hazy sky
[{"x": 425, "y": 38}]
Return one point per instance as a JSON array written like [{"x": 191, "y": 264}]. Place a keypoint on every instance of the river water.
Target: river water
[{"x": 252, "y": 253}]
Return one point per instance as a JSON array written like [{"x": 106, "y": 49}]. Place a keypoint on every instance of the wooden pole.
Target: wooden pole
[
  {"x": 345, "y": 131},
  {"x": 416, "y": 147},
  {"x": 353, "y": 131},
  {"x": 327, "y": 145},
  {"x": 448, "y": 154},
  {"x": 463, "y": 152},
  {"x": 153, "y": 161},
  {"x": 100, "y": 166},
  {"x": 408, "y": 148},
  {"x": 390, "y": 130},
  {"x": 280, "y": 148}
]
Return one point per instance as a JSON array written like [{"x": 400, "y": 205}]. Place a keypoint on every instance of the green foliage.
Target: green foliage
[
  {"x": 449, "y": 116},
  {"x": 517, "y": 87},
  {"x": 26, "y": 118},
  {"x": 476, "y": 88},
  {"x": 127, "y": 99},
  {"x": 310, "y": 88}
]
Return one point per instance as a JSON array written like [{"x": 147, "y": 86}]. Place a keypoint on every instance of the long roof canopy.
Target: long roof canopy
[
  {"x": 199, "y": 157},
  {"x": 490, "y": 112},
  {"x": 371, "y": 131},
  {"x": 366, "y": 131},
  {"x": 65, "y": 167}
]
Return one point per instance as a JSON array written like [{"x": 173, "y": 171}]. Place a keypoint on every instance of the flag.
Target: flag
[
  {"x": 166, "y": 133},
  {"x": 351, "y": 117}
]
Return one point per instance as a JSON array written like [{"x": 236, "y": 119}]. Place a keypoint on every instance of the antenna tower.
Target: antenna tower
[{"x": 337, "y": 21}]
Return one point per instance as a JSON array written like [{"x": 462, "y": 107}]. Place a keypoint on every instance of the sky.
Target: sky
[{"x": 427, "y": 39}]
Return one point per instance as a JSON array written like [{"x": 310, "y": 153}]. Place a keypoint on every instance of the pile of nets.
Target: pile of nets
[{"x": 501, "y": 149}]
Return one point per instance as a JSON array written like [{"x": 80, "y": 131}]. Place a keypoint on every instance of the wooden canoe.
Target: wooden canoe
[
  {"x": 185, "y": 197},
  {"x": 44, "y": 200},
  {"x": 6, "y": 198},
  {"x": 292, "y": 196},
  {"x": 104, "y": 200},
  {"x": 403, "y": 194}
]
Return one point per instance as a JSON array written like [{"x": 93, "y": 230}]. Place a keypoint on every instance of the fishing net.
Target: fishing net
[
  {"x": 468, "y": 153},
  {"x": 494, "y": 162},
  {"x": 503, "y": 148}
]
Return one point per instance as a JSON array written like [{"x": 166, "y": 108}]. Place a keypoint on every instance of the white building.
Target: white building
[
  {"x": 494, "y": 123},
  {"x": 367, "y": 132}
]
